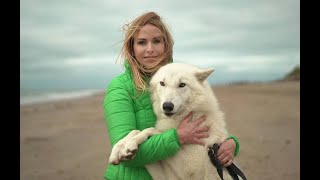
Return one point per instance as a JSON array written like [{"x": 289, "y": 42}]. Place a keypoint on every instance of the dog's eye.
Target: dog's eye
[
  {"x": 182, "y": 85},
  {"x": 161, "y": 83}
]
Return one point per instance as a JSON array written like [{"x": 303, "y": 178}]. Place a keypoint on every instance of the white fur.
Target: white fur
[{"x": 192, "y": 161}]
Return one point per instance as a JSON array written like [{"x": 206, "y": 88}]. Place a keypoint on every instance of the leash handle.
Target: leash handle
[
  {"x": 233, "y": 170},
  {"x": 213, "y": 154}
]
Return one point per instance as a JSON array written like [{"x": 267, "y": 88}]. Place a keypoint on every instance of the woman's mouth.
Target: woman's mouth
[{"x": 150, "y": 57}]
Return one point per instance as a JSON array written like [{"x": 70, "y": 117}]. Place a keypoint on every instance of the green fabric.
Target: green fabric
[{"x": 123, "y": 113}]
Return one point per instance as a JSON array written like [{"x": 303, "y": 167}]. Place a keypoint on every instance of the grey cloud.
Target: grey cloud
[{"x": 53, "y": 32}]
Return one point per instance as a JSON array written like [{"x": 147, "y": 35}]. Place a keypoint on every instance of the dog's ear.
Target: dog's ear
[{"x": 204, "y": 74}]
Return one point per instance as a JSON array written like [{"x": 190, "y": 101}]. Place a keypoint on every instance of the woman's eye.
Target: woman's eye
[
  {"x": 161, "y": 83},
  {"x": 182, "y": 85},
  {"x": 156, "y": 41},
  {"x": 141, "y": 42}
]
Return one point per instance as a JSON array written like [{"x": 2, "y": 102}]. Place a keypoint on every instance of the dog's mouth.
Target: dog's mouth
[{"x": 169, "y": 114}]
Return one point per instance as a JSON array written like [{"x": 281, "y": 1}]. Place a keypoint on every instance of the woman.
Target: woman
[{"x": 147, "y": 46}]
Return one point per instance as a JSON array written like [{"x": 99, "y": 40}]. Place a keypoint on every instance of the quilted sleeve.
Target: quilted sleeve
[
  {"x": 120, "y": 119},
  {"x": 236, "y": 151},
  {"x": 118, "y": 111}
]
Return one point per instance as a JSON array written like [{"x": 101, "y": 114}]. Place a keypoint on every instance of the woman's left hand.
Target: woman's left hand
[{"x": 226, "y": 152}]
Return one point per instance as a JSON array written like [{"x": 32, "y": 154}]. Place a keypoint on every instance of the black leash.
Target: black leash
[{"x": 233, "y": 170}]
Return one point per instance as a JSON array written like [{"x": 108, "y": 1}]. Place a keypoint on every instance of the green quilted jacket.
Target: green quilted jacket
[{"x": 123, "y": 113}]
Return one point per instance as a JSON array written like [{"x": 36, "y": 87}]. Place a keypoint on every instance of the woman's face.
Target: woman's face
[{"x": 148, "y": 45}]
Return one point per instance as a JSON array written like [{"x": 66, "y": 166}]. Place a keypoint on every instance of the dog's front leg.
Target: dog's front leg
[
  {"x": 131, "y": 147},
  {"x": 144, "y": 135}
]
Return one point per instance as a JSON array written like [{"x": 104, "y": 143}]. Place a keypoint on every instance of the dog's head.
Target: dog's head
[{"x": 177, "y": 88}]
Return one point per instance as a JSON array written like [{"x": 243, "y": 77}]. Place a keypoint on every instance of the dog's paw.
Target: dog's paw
[
  {"x": 115, "y": 156},
  {"x": 114, "y": 160},
  {"x": 129, "y": 151},
  {"x": 122, "y": 152}
]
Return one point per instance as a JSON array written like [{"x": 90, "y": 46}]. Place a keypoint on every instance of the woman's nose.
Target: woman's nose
[{"x": 149, "y": 48}]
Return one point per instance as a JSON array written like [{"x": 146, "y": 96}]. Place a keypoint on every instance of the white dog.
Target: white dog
[{"x": 177, "y": 89}]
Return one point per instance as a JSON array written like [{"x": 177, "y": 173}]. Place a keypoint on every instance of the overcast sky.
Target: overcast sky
[{"x": 75, "y": 44}]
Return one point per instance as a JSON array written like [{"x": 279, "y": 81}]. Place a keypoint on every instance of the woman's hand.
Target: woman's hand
[
  {"x": 226, "y": 151},
  {"x": 190, "y": 132}
]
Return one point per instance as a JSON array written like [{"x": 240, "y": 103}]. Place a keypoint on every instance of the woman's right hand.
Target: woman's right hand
[{"x": 190, "y": 132}]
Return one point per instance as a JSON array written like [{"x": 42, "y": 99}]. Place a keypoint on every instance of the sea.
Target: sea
[{"x": 42, "y": 95}]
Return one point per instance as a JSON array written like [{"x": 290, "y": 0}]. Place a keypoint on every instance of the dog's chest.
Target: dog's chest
[
  {"x": 165, "y": 124},
  {"x": 190, "y": 161}
]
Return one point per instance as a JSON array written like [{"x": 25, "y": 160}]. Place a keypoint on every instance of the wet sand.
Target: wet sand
[{"x": 68, "y": 139}]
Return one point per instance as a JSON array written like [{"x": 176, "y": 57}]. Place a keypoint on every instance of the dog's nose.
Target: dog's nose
[{"x": 167, "y": 106}]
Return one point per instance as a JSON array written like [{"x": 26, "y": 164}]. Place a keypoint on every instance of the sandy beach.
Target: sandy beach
[{"x": 66, "y": 140}]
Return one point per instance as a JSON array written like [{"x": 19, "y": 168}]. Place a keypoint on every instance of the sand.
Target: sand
[{"x": 68, "y": 139}]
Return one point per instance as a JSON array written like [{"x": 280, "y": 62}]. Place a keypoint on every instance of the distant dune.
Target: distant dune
[{"x": 294, "y": 75}]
